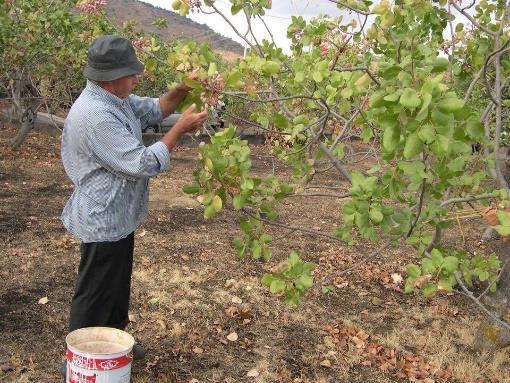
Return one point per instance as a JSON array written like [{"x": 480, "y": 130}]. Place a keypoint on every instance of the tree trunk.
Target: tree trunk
[{"x": 26, "y": 126}]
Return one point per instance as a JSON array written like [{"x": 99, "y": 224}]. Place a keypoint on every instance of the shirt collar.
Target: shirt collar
[{"x": 103, "y": 93}]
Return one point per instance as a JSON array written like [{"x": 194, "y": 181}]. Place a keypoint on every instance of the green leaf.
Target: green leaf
[
  {"x": 237, "y": 243},
  {"x": 247, "y": 184},
  {"x": 293, "y": 259},
  {"x": 238, "y": 201},
  {"x": 445, "y": 284},
  {"x": 451, "y": 264},
  {"x": 427, "y": 134},
  {"x": 256, "y": 249},
  {"x": 423, "y": 113},
  {"x": 267, "y": 279},
  {"x": 266, "y": 253},
  {"x": 429, "y": 290},
  {"x": 153, "y": 301},
  {"x": 440, "y": 65},
  {"x": 265, "y": 238},
  {"x": 240, "y": 246},
  {"x": 437, "y": 258},
  {"x": 392, "y": 97},
  {"x": 176, "y": 4},
  {"x": 217, "y": 203},
  {"x": 276, "y": 286},
  {"x": 209, "y": 211},
  {"x": 410, "y": 99},
  {"x": 233, "y": 78},
  {"x": 363, "y": 81},
  {"x": 413, "y": 271},
  {"x": 391, "y": 138},
  {"x": 502, "y": 230},
  {"x": 409, "y": 285},
  {"x": 483, "y": 276},
  {"x": 346, "y": 92},
  {"x": 300, "y": 77},
  {"x": 475, "y": 129},
  {"x": 328, "y": 289},
  {"x": 213, "y": 69},
  {"x": 317, "y": 76},
  {"x": 427, "y": 266},
  {"x": 413, "y": 146},
  {"x": 503, "y": 218},
  {"x": 193, "y": 188},
  {"x": 270, "y": 68},
  {"x": 183, "y": 10},
  {"x": 292, "y": 297},
  {"x": 376, "y": 216},
  {"x": 450, "y": 105},
  {"x": 305, "y": 281}
]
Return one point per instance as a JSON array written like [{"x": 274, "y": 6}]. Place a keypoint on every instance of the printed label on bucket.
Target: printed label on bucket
[
  {"x": 84, "y": 369},
  {"x": 98, "y": 364}
]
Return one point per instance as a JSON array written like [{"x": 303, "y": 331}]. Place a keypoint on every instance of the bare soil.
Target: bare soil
[{"x": 191, "y": 292}]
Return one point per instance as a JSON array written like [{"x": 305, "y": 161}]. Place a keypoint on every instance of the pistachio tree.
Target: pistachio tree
[{"x": 400, "y": 76}]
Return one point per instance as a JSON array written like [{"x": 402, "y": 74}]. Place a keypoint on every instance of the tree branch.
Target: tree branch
[
  {"x": 467, "y": 199},
  {"x": 496, "y": 280},
  {"x": 267, "y": 29},
  {"x": 268, "y": 100},
  {"x": 373, "y": 254},
  {"x": 470, "y": 18},
  {"x": 232, "y": 25},
  {"x": 350, "y": 8},
  {"x": 293, "y": 228},
  {"x": 335, "y": 162},
  {"x": 466, "y": 292},
  {"x": 248, "y": 21},
  {"x": 333, "y": 195}
]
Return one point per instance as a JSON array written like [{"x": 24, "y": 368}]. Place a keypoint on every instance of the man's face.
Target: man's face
[{"x": 123, "y": 86}]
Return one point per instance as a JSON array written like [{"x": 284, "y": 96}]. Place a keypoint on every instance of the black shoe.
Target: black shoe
[{"x": 138, "y": 352}]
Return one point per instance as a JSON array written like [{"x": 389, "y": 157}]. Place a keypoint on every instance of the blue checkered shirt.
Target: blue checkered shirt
[{"x": 104, "y": 156}]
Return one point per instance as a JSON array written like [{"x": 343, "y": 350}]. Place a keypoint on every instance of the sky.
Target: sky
[{"x": 278, "y": 18}]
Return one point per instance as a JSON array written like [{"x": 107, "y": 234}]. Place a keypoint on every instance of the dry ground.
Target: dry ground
[{"x": 190, "y": 292}]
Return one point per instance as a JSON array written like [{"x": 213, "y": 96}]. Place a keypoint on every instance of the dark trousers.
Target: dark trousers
[{"x": 103, "y": 286}]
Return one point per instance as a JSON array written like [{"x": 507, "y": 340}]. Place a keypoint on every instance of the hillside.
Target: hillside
[{"x": 178, "y": 27}]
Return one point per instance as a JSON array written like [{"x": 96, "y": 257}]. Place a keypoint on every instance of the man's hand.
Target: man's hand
[
  {"x": 193, "y": 76},
  {"x": 188, "y": 122},
  {"x": 171, "y": 100}
]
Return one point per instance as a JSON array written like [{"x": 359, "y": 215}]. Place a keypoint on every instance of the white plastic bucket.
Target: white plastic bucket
[{"x": 99, "y": 355}]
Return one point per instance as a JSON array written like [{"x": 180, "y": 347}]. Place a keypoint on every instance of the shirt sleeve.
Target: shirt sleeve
[
  {"x": 146, "y": 109},
  {"x": 115, "y": 148}
]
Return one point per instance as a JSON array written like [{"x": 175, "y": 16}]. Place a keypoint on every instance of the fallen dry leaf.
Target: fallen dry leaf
[
  {"x": 7, "y": 367},
  {"x": 43, "y": 301},
  {"x": 161, "y": 324},
  {"x": 237, "y": 300},
  {"x": 326, "y": 363},
  {"x": 232, "y": 337},
  {"x": 142, "y": 233},
  {"x": 252, "y": 373},
  {"x": 198, "y": 350},
  {"x": 153, "y": 301},
  {"x": 397, "y": 278}
]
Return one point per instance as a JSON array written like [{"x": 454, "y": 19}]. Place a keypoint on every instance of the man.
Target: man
[{"x": 103, "y": 154}]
